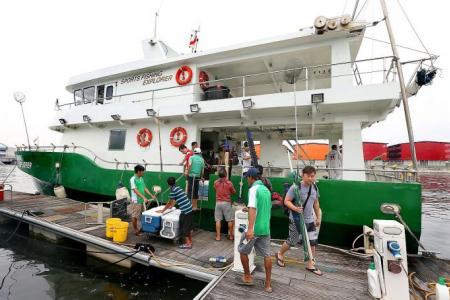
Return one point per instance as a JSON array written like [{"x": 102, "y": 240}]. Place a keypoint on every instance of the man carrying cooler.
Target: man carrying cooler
[
  {"x": 138, "y": 191},
  {"x": 178, "y": 196},
  {"x": 258, "y": 233}
]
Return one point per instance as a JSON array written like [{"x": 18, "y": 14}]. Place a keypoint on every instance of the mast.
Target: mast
[{"x": 402, "y": 85}]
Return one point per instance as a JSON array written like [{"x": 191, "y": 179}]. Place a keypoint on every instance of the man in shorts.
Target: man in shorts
[
  {"x": 178, "y": 196},
  {"x": 138, "y": 191},
  {"x": 309, "y": 204},
  {"x": 258, "y": 233},
  {"x": 224, "y": 189}
]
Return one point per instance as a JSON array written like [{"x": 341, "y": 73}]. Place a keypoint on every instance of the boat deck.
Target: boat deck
[{"x": 344, "y": 275}]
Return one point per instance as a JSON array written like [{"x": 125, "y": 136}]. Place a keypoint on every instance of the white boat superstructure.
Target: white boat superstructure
[{"x": 309, "y": 80}]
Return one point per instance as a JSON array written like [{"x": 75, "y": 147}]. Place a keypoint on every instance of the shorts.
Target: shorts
[
  {"x": 136, "y": 210},
  {"x": 193, "y": 183},
  {"x": 223, "y": 210},
  {"x": 260, "y": 243},
  {"x": 296, "y": 238},
  {"x": 186, "y": 223}
]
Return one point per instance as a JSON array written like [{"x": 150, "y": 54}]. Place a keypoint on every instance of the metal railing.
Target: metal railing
[
  {"x": 385, "y": 173},
  {"x": 311, "y": 77}
]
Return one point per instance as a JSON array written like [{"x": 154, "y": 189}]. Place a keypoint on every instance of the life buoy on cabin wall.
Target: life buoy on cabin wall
[
  {"x": 203, "y": 79},
  {"x": 178, "y": 136},
  {"x": 184, "y": 75},
  {"x": 144, "y": 137}
]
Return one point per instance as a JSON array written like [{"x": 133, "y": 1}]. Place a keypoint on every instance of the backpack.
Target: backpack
[{"x": 287, "y": 186}]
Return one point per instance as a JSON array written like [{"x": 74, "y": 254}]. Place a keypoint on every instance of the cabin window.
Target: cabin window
[
  {"x": 89, "y": 94},
  {"x": 100, "y": 94},
  {"x": 109, "y": 92},
  {"x": 78, "y": 97},
  {"x": 117, "y": 139}
]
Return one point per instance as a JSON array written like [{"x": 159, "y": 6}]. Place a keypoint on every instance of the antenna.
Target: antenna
[{"x": 156, "y": 25}]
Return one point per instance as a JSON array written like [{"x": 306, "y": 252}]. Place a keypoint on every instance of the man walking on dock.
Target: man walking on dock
[
  {"x": 308, "y": 204},
  {"x": 138, "y": 200},
  {"x": 258, "y": 233}
]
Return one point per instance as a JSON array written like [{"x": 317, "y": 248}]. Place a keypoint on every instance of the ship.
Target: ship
[{"x": 309, "y": 84}]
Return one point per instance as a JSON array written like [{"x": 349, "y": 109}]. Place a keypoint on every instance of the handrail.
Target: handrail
[
  {"x": 241, "y": 77},
  {"x": 117, "y": 163}
]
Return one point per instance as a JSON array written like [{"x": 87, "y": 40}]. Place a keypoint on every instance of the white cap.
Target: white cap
[{"x": 197, "y": 150}]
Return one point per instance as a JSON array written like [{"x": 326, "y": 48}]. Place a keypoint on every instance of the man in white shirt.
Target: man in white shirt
[{"x": 334, "y": 161}]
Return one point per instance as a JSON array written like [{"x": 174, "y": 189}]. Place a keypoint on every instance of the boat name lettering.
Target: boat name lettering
[
  {"x": 148, "y": 78},
  {"x": 24, "y": 164}
]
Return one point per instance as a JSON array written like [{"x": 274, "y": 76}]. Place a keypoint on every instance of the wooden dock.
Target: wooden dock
[{"x": 344, "y": 275}]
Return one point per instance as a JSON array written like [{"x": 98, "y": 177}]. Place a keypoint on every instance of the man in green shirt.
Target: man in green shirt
[
  {"x": 194, "y": 173},
  {"x": 258, "y": 233},
  {"x": 138, "y": 191}
]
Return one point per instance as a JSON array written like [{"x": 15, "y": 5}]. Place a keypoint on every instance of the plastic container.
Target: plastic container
[
  {"x": 203, "y": 189},
  {"x": 110, "y": 226},
  {"x": 374, "y": 281},
  {"x": 60, "y": 191},
  {"x": 442, "y": 291},
  {"x": 217, "y": 92},
  {"x": 2, "y": 194},
  {"x": 120, "y": 234},
  {"x": 151, "y": 220},
  {"x": 171, "y": 225}
]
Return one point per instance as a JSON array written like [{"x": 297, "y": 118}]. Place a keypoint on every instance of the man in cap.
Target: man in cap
[{"x": 258, "y": 233}]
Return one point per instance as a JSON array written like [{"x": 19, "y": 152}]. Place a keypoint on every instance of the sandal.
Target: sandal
[
  {"x": 185, "y": 246},
  {"x": 268, "y": 289},
  {"x": 315, "y": 271},
  {"x": 280, "y": 262},
  {"x": 239, "y": 280}
]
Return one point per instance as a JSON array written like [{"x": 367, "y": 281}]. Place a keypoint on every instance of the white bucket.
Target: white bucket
[
  {"x": 122, "y": 193},
  {"x": 60, "y": 192}
]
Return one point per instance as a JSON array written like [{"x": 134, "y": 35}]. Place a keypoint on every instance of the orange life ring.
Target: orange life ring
[
  {"x": 203, "y": 79},
  {"x": 144, "y": 137},
  {"x": 178, "y": 136},
  {"x": 184, "y": 75}
]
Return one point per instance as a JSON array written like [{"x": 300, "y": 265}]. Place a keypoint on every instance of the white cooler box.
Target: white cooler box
[
  {"x": 151, "y": 220},
  {"x": 170, "y": 225}
]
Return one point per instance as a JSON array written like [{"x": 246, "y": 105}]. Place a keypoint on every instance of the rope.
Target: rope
[
  {"x": 414, "y": 30},
  {"x": 4, "y": 180},
  {"x": 362, "y": 7}
]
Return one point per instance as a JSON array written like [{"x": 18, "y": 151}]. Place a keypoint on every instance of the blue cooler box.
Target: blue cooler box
[{"x": 151, "y": 220}]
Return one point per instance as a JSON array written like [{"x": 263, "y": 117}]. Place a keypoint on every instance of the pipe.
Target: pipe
[
  {"x": 107, "y": 245},
  {"x": 402, "y": 85}
]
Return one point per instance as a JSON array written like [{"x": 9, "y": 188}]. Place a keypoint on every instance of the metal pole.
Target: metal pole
[
  {"x": 26, "y": 129},
  {"x": 402, "y": 85},
  {"x": 354, "y": 9}
]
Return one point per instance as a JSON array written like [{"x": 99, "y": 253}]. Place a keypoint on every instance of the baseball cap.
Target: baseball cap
[
  {"x": 197, "y": 150},
  {"x": 253, "y": 172}
]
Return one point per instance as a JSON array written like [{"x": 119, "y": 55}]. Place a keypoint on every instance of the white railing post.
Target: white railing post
[
  {"x": 306, "y": 79},
  {"x": 243, "y": 86}
]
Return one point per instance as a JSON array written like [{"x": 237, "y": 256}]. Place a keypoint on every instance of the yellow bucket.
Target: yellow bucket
[
  {"x": 109, "y": 226},
  {"x": 120, "y": 232}
]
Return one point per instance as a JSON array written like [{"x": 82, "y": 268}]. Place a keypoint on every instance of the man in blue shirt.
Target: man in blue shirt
[{"x": 179, "y": 197}]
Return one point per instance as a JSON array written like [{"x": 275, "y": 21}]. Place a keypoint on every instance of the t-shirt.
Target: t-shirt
[
  {"x": 224, "y": 188},
  {"x": 308, "y": 211},
  {"x": 259, "y": 197},
  {"x": 246, "y": 161},
  {"x": 197, "y": 164},
  {"x": 177, "y": 194},
  {"x": 137, "y": 183},
  {"x": 334, "y": 159}
]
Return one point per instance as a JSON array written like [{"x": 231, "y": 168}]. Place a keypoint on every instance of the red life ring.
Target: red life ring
[
  {"x": 203, "y": 79},
  {"x": 184, "y": 75},
  {"x": 144, "y": 137},
  {"x": 178, "y": 136}
]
